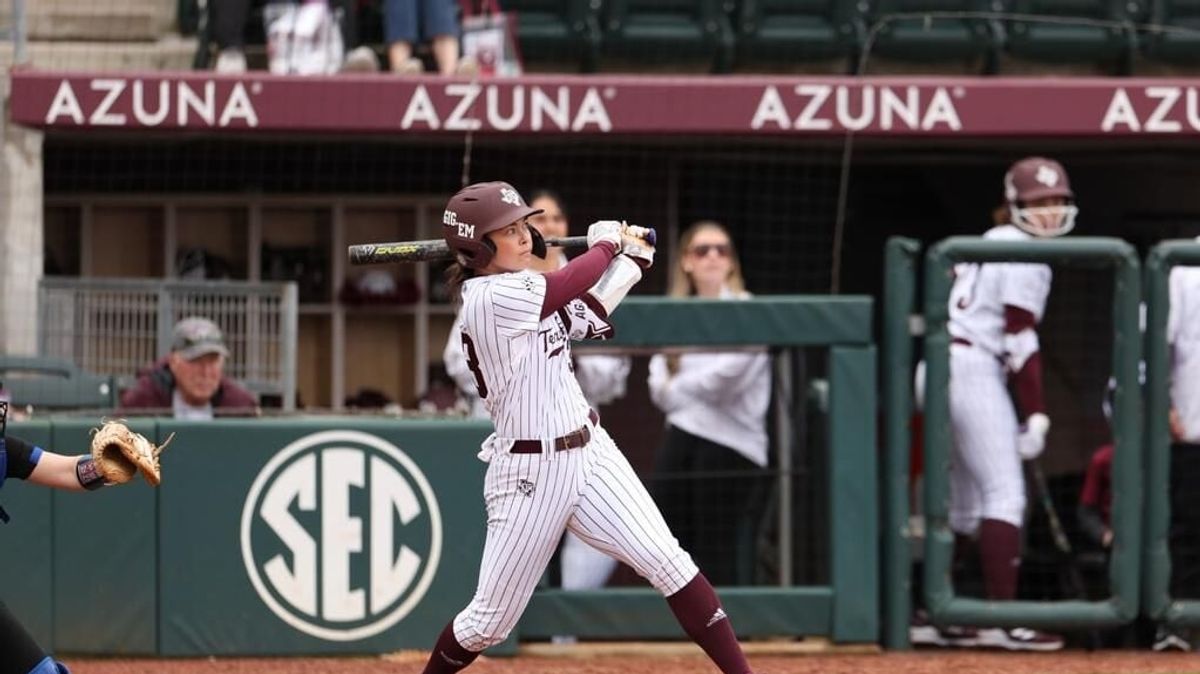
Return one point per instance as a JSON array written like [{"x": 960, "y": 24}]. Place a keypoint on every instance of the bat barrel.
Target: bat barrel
[
  {"x": 400, "y": 251},
  {"x": 432, "y": 250}
]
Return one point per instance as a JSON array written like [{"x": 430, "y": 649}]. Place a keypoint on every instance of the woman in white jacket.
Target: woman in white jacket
[{"x": 716, "y": 405}]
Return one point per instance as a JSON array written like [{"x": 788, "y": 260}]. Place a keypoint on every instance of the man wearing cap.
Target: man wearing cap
[{"x": 190, "y": 380}]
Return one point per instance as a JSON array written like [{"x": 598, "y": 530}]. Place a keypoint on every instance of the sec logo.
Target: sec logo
[{"x": 341, "y": 535}]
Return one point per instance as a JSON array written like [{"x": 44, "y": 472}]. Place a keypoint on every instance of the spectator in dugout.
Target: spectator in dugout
[
  {"x": 190, "y": 380},
  {"x": 708, "y": 470}
]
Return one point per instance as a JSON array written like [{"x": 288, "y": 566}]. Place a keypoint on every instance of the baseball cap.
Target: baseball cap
[{"x": 196, "y": 336}]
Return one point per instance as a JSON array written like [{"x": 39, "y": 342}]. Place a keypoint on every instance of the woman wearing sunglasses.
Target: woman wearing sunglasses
[{"x": 716, "y": 406}]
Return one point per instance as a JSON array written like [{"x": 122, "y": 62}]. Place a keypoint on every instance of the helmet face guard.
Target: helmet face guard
[{"x": 1031, "y": 219}]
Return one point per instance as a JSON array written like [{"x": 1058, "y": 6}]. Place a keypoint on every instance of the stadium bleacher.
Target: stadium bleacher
[
  {"x": 974, "y": 41},
  {"x": 772, "y": 32},
  {"x": 558, "y": 33},
  {"x": 1176, "y": 45},
  {"x": 1076, "y": 31},
  {"x": 1115, "y": 37}
]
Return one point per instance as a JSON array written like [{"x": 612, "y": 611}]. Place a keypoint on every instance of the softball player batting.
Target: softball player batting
[
  {"x": 552, "y": 466},
  {"x": 601, "y": 377},
  {"x": 994, "y": 313}
]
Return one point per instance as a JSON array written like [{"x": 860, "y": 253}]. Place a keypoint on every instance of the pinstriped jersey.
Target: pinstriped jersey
[
  {"x": 981, "y": 290},
  {"x": 521, "y": 362}
]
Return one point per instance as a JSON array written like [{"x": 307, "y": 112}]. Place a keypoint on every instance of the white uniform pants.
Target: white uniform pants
[
  {"x": 986, "y": 481},
  {"x": 532, "y": 498}
]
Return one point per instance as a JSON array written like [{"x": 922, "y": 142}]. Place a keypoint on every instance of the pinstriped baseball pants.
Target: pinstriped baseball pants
[
  {"x": 986, "y": 481},
  {"x": 532, "y": 499}
]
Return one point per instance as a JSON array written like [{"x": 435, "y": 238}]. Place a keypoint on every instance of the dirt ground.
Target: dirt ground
[{"x": 1070, "y": 662}]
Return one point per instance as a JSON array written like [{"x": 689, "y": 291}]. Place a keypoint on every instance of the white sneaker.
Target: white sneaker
[
  {"x": 1165, "y": 640},
  {"x": 412, "y": 66},
  {"x": 1019, "y": 639},
  {"x": 921, "y": 632},
  {"x": 467, "y": 67},
  {"x": 361, "y": 60},
  {"x": 231, "y": 60}
]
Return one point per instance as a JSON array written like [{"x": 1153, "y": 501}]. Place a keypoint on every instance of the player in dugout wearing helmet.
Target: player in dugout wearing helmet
[
  {"x": 995, "y": 309},
  {"x": 551, "y": 466}
]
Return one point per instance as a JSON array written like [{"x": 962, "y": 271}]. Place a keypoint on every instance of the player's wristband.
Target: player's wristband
[{"x": 88, "y": 474}]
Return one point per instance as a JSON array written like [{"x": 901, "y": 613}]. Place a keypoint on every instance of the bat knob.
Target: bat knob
[{"x": 646, "y": 234}]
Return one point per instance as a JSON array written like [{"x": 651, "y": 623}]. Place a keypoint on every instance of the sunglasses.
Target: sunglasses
[{"x": 703, "y": 249}]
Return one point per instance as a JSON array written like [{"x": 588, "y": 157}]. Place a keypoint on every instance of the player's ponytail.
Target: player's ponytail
[
  {"x": 1001, "y": 215},
  {"x": 456, "y": 274}
]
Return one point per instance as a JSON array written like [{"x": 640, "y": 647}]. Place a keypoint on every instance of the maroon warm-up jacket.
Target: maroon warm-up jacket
[{"x": 156, "y": 385}]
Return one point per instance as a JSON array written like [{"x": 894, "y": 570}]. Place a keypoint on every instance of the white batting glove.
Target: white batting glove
[
  {"x": 638, "y": 250},
  {"x": 605, "y": 230},
  {"x": 1032, "y": 439}
]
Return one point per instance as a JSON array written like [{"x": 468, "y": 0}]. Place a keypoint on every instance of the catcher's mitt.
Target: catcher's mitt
[{"x": 119, "y": 453}]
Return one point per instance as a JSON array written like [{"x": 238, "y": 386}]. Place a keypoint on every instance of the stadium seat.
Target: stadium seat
[
  {"x": 1073, "y": 43},
  {"x": 785, "y": 31},
  {"x": 931, "y": 39},
  {"x": 50, "y": 383},
  {"x": 558, "y": 32},
  {"x": 657, "y": 32},
  {"x": 1174, "y": 47}
]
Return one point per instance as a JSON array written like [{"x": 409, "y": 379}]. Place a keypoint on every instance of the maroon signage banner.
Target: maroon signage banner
[{"x": 877, "y": 106}]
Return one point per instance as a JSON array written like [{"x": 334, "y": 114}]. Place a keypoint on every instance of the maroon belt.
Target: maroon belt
[
  {"x": 967, "y": 342},
  {"x": 572, "y": 440}
]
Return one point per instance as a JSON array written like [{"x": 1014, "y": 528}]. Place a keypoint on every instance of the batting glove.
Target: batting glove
[
  {"x": 1032, "y": 439},
  {"x": 605, "y": 230},
  {"x": 638, "y": 250}
]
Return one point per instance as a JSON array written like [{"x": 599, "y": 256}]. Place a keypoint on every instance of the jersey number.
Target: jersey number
[{"x": 473, "y": 363}]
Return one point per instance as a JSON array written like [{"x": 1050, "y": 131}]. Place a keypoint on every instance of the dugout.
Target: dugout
[{"x": 267, "y": 190}]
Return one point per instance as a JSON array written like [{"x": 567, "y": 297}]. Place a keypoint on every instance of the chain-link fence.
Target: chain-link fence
[{"x": 121, "y": 326}]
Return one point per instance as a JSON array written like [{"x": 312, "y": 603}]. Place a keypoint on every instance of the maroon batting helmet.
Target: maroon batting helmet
[
  {"x": 1034, "y": 178},
  {"x": 475, "y": 211}
]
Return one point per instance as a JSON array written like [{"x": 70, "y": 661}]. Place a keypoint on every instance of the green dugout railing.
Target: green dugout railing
[
  {"x": 847, "y": 608},
  {"x": 1157, "y": 600},
  {"x": 265, "y": 537},
  {"x": 900, "y": 292},
  {"x": 942, "y": 603}
]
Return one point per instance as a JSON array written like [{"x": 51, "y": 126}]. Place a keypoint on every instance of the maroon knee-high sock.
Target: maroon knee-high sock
[
  {"x": 698, "y": 610},
  {"x": 1000, "y": 550},
  {"x": 448, "y": 655}
]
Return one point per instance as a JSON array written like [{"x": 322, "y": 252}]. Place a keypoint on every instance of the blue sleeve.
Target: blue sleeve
[{"x": 19, "y": 457}]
